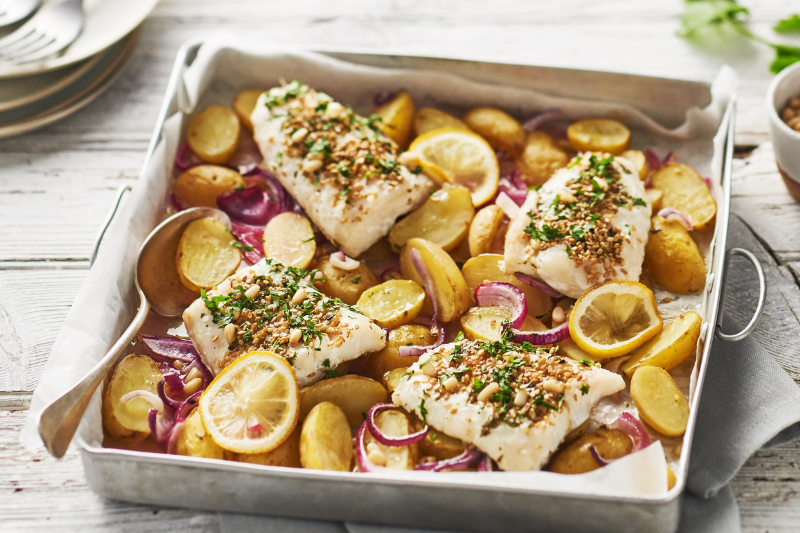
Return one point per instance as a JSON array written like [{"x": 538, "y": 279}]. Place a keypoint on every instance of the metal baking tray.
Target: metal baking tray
[{"x": 445, "y": 503}]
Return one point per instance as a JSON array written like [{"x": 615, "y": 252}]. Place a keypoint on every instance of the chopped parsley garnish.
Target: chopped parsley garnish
[
  {"x": 586, "y": 362},
  {"x": 422, "y": 411},
  {"x": 584, "y": 389},
  {"x": 241, "y": 246},
  {"x": 355, "y": 280},
  {"x": 540, "y": 401},
  {"x": 639, "y": 201}
]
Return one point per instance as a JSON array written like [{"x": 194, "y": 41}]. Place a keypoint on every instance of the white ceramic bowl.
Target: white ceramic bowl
[{"x": 785, "y": 140}]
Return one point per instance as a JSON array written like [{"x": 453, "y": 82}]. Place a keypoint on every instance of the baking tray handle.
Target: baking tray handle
[
  {"x": 118, "y": 200},
  {"x": 762, "y": 296}
]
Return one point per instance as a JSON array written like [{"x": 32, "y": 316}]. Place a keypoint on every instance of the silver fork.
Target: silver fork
[
  {"x": 12, "y": 11},
  {"x": 51, "y": 30}
]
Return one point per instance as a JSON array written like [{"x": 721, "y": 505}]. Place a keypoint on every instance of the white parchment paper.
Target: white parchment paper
[{"x": 225, "y": 65}]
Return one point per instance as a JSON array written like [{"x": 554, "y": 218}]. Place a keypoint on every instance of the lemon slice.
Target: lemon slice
[
  {"x": 252, "y": 406},
  {"x": 614, "y": 318},
  {"x": 452, "y": 155}
]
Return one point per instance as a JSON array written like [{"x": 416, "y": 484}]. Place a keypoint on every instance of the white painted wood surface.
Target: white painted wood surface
[{"x": 57, "y": 184}]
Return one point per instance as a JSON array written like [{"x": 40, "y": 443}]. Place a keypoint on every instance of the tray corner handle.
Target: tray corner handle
[{"x": 762, "y": 297}]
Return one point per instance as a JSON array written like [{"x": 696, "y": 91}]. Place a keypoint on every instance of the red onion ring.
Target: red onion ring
[
  {"x": 427, "y": 283},
  {"x": 707, "y": 181},
  {"x": 538, "y": 284},
  {"x": 185, "y": 158},
  {"x": 168, "y": 349},
  {"x": 179, "y": 420},
  {"x": 363, "y": 462},
  {"x": 389, "y": 440},
  {"x": 597, "y": 457},
  {"x": 674, "y": 214},
  {"x": 540, "y": 338},
  {"x": 548, "y": 115},
  {"x": 502, "y": 294},
  {"x": 173, "y": 437},
  {"x": 634, "y": 428},
  {"x": 176, "y": 203},
  {"x": 386, "y": 275},
  {"x": 487, "y": 464},
  {"x": 161, "y": 424},
  {"x": 173, "y": 404},
  {"x": 468, "y": 458},
  {"x": 341, "y": 261}
]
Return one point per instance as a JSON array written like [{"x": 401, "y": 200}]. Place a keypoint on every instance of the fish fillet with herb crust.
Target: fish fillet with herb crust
[
  {"x": 340, "y": 167},
  {"x": 272, "y": 308},
  {"x": 514, "y": 403},
  {"x": 588, "y": 224}
]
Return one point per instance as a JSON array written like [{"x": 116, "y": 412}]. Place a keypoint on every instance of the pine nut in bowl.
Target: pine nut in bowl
[{"x": 783, "y": 109}]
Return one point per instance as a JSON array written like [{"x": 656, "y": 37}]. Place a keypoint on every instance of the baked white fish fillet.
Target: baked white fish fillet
[
  {"x": 338, "y": 165},
  {"x": 286, "y": 316},
  {"x": 519, "y": 430},
  {"x": 594, "y": 202}
]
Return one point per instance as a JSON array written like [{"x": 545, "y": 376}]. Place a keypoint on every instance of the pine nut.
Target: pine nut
[
  {"x": 408, "y": 160},
  {"x": 451, "y": 383},
  {"x": 553, "y": 386},
  {"x": 334, "y": 110},
  {"x": 193, "y": 386},
  {"x": 179, "y": 364},
  {"x": 299, "y": 297},
  {"x": 521, "y": 397},
  {"x": 299, "y": 135},
  {"x": 294, "y": 336},
  {"x": 236, "y": 313},
  {"x": 252, "y": 292},
  {"x": 230, "y": 333},
  {"x": 372, "y": 447},
  {"x": 377, "y": 458},
  {"x": 310, "y": 166},
  {"x": 486, "y": 393},
  {"x": 566, "y": 197},
  {"x": 429, "y": 370},
  {"x": 558, "y": 314},
  {"x": 193, "y": 373}
]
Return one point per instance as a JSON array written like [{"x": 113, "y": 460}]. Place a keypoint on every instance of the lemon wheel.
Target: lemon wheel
[
  {"x": 252, "y": 406},
  {"x": 614, "y": 318},
  {"x": 452, "y": 155}
]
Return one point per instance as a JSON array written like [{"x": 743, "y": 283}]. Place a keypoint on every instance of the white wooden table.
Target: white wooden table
[{"x": 56, "y": 186}]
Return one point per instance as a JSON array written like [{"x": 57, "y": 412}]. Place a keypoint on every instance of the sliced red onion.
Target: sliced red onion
[
  {"x": 487, "y": 464},
  {"x": 505, "y": 186},
  {"x": 153, "y": 399},
  {"x": 176, "y": 203},
  {"x": 173, "y": 436},
  {"x": 185, "y": 158},
  {"x": 502, "y": 294},
  {"x": 363, "y": 462},
  {"x": 173, "y": 404},
  {"x": 168, "y": 349},
  {"x": 390, "y": 273},
  {"x": 383, "y": 97},
  {"x": 540, "y": 338},
  {"x": 634, "y": 428},
  {"x": 670, "y": 213},
  {"x": 389, "y": 440},
  {"x": 507, "y": 204},
  {"x": 707, "y": 181},
  {"x": 174, "y": 381},
  {"x": 468, "y": 458},
  {"x": 538, "y": 284},
  {"x": 427, "y": 283},
  {"x": 596, "y": 456},
  {"x": 161, "y": 424},
  {"x": 653, "y": 161},
  {"x": 206, "y": 374},
  {"x": 341, "y": 261},
  {"x": 252, "y": 237},
  {"x": 547, "y": 115},
  {"x": 249, "y": 205}
]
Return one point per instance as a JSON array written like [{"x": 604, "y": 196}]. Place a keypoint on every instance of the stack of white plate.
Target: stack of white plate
[{"x": 36, "y": 94}]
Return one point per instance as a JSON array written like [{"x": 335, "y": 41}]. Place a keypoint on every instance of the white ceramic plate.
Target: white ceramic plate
[
  {"x": 99, "y": 77},
  {"x": 107, "y": 21}
]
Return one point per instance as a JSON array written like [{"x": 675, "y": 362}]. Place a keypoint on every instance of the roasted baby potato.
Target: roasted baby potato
[
  {"x": 656, "y": 198},
  {"x": 396, "y": 424},
  {"x": 599, "y": 135},
  {"x": 575, "y": 458},
  {"x": 489, "y": 267},
  {"x": 429, "y": 119},
  {"x": 397, "y": 116},
  {"x": 437, "y": 445},
  {"x": 213, "y": 134},
  {"x": 499, "y": 128},
  {"x": 443, "y": 220},
  {"x": 450, "y": 289},
  {"x": 393, "y": 303},
  {"x": 200, "y": 186},
  {"x": 393, "y": 377},
  {"x": 672, "y": 259},
  {"x": 486, "y": 323},
  {"x": 639, "y": 162},
  {"x": 376, "y": 365},
  {"x": 205, "y": 254},
  {"x": 289, "y": 239},
  {"x": 659, "y": 401},
  {"x": 325, "y": 441},
  {"x": 128, "y": 421},
  {"x": 287, "y": 454},
  {"x": 195, "y": 442},
  {"x": 483, "y": 229},
  {"x": 685, "y": 190},
  {"x": 540, "y": 158},
  {"x": 668, "y": 349},
  {"x": 353, "y": 394},
  {"x": 347, "y": 285},
  {"x": 243, "y": 105}
]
